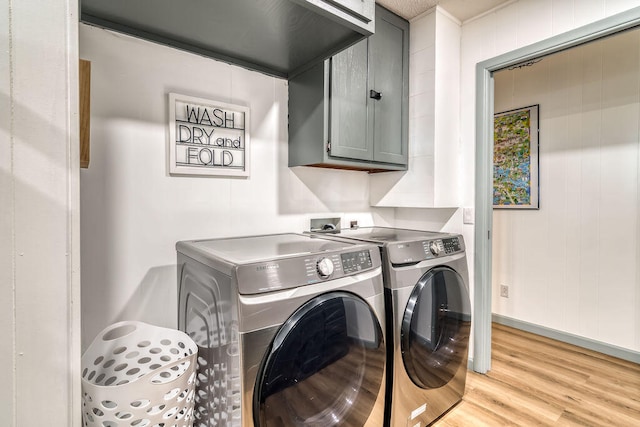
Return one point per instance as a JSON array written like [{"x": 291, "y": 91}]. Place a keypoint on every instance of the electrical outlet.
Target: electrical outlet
[{"x": 504, "y": 291}]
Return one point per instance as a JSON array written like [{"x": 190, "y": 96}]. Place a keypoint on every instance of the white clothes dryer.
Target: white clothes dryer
[
  {"x": 428, "y": 320},
  {"x": 290, "y": 330}
]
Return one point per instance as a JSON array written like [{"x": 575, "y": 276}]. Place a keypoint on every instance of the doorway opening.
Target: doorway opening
[{"x": 484, "y": 160}]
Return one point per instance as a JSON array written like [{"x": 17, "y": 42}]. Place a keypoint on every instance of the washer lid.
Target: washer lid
[
  {"x": 261, "y": 264},
  {"x": 251, "y": 249}
]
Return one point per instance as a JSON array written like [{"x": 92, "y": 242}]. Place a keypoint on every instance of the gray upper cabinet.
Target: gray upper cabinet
[
  {"x": 348, "y": 104},
  {"x": 277, "y": 37},
  {"x": 351, "y": 112}
]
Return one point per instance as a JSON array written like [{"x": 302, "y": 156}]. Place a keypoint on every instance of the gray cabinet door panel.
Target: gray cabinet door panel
[
  {"x": 348, "y": 118},
  {"x": 386, "y": 67},
  {"x": 334, "y": 121}
]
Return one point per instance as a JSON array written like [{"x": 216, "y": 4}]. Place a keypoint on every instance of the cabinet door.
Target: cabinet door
[
  {"x": 348, "y": 111},
  {"x": 388, "y": 76}
]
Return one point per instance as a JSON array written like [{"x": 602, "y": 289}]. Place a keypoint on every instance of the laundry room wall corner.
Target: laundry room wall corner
[{"x": 133, "y": 212}]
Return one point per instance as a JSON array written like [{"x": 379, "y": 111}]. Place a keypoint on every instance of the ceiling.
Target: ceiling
[{"x": 461, "y": 9}]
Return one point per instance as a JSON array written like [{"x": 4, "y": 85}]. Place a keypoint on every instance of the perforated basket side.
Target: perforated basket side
[
  {"x": 146, "y": 402},
  {"x": 127, "y": 351},
  {"x": 135, "y": 374}
]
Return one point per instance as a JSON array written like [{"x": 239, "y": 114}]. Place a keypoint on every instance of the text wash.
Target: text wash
[{"x": 210, "y": 137}]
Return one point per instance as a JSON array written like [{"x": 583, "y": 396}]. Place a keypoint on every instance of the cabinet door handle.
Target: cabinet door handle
[{"x": 375, "y": 95}]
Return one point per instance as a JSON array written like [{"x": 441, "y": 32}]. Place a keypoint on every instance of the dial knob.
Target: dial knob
[
  {"x": 325, "y": 267},
  {"x": 434, "y": 248}
]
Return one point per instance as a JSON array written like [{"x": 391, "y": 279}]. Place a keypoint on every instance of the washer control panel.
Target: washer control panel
[
  {"x": 337, "y": 265},
  {"x": 325, "y": 267},
  {"x": 309, "y": 269},
  {"x": 322, "y": 267},
  {"x": 356, "y": 261}
]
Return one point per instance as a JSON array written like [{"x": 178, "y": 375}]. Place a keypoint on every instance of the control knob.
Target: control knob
[
  {"x": 434, "y": 248},
  {"x": 325, "y": 267}
]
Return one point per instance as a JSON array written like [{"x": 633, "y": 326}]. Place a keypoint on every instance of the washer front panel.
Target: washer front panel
[
  {"x": 247, "y": 304},
  {"x": 325, "y": 366}
]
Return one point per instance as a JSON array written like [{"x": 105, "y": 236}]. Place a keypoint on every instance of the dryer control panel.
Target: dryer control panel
[
  {"x": 440, "y": 247},
  {"x": 451, "y": 245},
  {"x": 413, "y": 252}
]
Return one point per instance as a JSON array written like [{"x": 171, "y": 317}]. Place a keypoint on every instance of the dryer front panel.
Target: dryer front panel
[
  {"x": 436, "y": 324},
  {"x": 325, "y": 366}
]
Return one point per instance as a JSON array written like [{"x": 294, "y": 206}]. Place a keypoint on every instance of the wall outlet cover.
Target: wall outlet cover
[
  {"x": 468, "y": 215},
  {"x": 504, "y": 291}
]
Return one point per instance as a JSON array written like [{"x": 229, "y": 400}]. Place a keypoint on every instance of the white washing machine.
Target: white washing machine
[
  {"x": 290, "y": 330},
  {"x": 428, "y": 320}
]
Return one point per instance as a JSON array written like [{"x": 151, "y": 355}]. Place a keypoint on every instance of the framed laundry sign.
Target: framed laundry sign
[
  {"x": 208, "y": 137},
  {"x": 515, "y": 159}
]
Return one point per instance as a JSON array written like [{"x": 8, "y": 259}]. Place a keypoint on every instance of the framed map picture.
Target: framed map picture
[{"x": 515, "y": 159}]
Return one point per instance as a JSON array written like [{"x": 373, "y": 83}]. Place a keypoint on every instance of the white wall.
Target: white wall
[
  {"x": 133, "y": 212},
  {"x": 516, "y": 25},
  {"x": 433, "y": 176},
  {"x": 39, "y": 219},
  {"x": 574, "y": 262}
]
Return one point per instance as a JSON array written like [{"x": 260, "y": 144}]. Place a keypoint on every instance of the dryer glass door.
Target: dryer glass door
[
  {"x": 435, "y": 328},
  {"x": 325, "y": 366}
]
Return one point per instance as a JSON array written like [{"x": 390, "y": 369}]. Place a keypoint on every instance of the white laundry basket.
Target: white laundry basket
[{"x": 135, "y": 374}]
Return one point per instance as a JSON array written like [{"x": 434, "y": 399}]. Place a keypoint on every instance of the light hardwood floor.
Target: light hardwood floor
[{"x": 536, "y": 381}]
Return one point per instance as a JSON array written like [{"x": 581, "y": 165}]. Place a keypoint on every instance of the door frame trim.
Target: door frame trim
[{"x": 484, "y": 160}]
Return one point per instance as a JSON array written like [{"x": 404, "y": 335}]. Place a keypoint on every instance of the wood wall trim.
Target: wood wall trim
[{"x": 85, "y": 112}]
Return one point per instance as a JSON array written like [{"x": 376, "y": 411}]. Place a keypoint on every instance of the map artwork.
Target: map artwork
[{"x": 515, "y": 159}]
